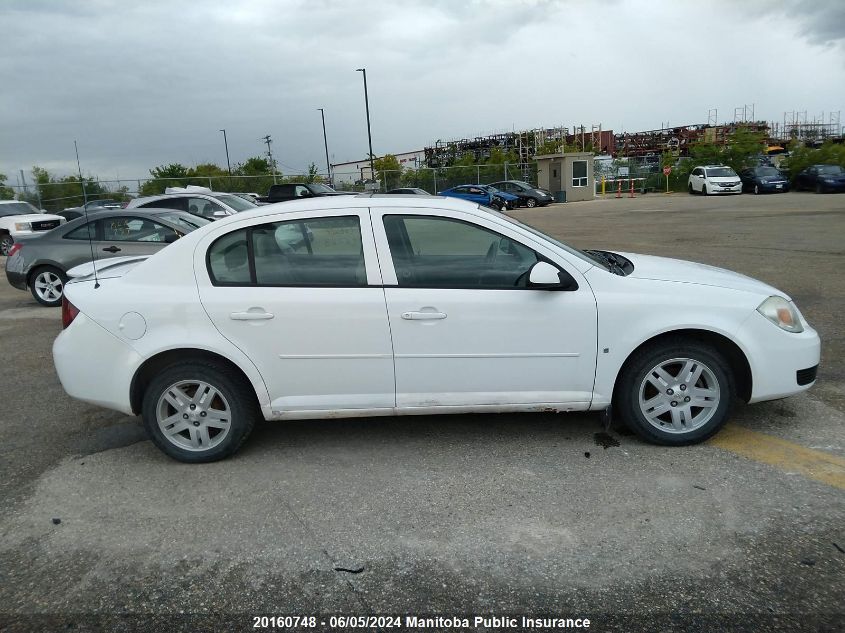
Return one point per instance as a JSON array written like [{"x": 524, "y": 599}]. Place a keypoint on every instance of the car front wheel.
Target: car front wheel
[
  {"x": 531, "y": 203},
  {"x": 756, "y": 190},
  {"x": 47, "y": 286},
  {"x": 6, "y": 243},
  {"x": 690, "y": 189},
  {"x": 199, "y": 411},
  {"x": 676, "y": 393}
]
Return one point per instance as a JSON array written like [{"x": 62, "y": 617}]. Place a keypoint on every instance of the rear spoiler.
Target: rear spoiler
[{"x": 102, "y": 265}]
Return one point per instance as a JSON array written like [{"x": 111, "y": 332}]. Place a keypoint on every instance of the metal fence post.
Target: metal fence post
[
  {"x": 478, "y": 174},
  {"x": 434, "y": 171}
]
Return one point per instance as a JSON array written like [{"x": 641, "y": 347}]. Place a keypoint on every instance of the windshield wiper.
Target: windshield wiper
[{"x": 609, "y": 260}]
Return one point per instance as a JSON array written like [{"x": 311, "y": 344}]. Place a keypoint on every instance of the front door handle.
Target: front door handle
[
  {"x": 112, "y": 249},
  {"x": 258, "y": 315},
  {"x": 423, "y": 316}
]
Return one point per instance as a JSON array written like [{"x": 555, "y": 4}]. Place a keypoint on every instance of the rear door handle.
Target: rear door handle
[
  {"x": 112, "y": 249},
  {"x": 251, "y": 316},
  {"x": 423, "y": 316}
]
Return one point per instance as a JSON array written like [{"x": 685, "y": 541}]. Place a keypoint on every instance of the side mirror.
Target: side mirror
[
  {"x": 544, "y": 276},
  {"x": 220, "y": 214}
]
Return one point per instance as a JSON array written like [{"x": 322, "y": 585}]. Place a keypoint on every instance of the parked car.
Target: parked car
[
  {"x": 477, "y": 194},
  {"x": 821, "y": 179},
  {"x": 512, "y": 201},
  {"x": 764, "y": 179},
  {"x": 71, "y": 213},
  {"x": 297, "y": 190},
  {"x": 533, "y": 196},
  {"x": 211, "y": 205},
  {"x": 440, "y": 306},
  {"x": 19, "y": 219},
  {"x": 40, "y": 264},
  {"x": 410, "y": 190},
  {"x": 709, "y": 179}
]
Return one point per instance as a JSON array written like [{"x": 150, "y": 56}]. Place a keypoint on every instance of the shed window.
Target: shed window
[{"x": 579, "y": 173}]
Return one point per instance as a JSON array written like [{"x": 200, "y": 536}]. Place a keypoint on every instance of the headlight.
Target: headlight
[
  {"x": 782, "y": 313},
  {"x": 23, "y": 226}
]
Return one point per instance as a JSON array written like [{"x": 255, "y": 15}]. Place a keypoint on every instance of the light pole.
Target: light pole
[
  {"x": 369, "y": 134},
  {"x": 228, "y": 164},
  {"x": 326, "y": 143}
]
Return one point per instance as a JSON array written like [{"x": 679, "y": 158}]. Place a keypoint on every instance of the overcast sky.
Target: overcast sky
[{"x": 143, "y": 85}]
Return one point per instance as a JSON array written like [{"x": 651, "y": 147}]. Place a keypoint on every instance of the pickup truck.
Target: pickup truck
[{"x": 299, "y": 190}]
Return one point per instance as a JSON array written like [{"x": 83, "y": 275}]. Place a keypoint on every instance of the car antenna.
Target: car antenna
[{"x": 85, "y": 212}]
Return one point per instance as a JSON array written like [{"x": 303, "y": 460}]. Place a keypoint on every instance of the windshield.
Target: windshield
[
  {"x": 188, "y": 221},
  {"x": 595, "y": 261},
  {"x": 831, "y": 170},
  {"x": 721, "y": 172},
  {"x": 17, "y": 208},
  {"x": 522, "y": 183},
  {"x": 768, "y": 171},
  {"x": 236, "y": 202},
  {"x": 318, "y": 188}
]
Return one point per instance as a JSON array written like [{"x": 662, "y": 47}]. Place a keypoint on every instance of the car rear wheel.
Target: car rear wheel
[
  {"x": 675, "y": 393},
  {"x": 531, "y": 203},
  {"x": 47, "y": 286},
  {"x": 6, "y": 243},
  {"x": 199, "y": 411}
]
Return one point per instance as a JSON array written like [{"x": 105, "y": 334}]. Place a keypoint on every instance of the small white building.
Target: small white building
[{"x": 359, "y": 170}]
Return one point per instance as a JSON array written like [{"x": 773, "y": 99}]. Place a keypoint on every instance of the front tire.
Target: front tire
[
  {"x": 47, "y": 286},
  {"x": 819, "y": 188},
  {"x": 704, "y": 190},
  {"x": 531, "y": 203},
  {"x": 199, "y": 411},
  {"x": 690, "y": 189},
  {"x": 756, "y": 190},
  {"x": 6, "y": 243},
  {"x": 675, "y": 393}
]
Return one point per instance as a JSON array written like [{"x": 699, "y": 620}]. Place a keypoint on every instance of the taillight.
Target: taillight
[
  {"x": 15, "y": 248},
  {"x": 69, "y": 312}
]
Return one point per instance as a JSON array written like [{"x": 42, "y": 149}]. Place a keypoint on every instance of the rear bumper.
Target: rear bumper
[
  {"x": 105, "y": 376},
  {"x": 15, "y": 273}
]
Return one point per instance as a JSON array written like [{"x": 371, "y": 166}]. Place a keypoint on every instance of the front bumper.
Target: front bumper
[
  {"x": 779, "y": 360},
  {"x": 774, "y": 187},
  {"x": 716, "y": 188}
]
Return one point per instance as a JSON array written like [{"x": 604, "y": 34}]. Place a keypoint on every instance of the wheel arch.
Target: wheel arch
[
  {"x": 151, "y": 366},
  {"x": 43, "y": 264},
  {"x": 733, "y": 353}
]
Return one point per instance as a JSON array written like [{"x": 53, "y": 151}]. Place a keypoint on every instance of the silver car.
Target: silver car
[{"x": 40, "y": 264}]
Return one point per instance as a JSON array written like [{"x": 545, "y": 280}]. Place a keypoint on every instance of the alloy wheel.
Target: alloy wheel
[
  {"x": 193, "y": 415},
  {"x": 679, "y": 395},
  {"x": 48, "y": 286}
]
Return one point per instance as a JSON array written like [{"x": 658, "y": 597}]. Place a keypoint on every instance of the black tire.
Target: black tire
[
  {"x": 756, "y": 190},
  {"x": 690, "y": 189},
  {"x": 6, "y": 242},
  {"x": 238, "y": 393},
  {"x": 819, "y": 188},
  {"x": 704, "y": 190},
  {"x": 33, "y": 278},
  {"x": 633, "y": 377},
  {"x": 531, "y": 203}
]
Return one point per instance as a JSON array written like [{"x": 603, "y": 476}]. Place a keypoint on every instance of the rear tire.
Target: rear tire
[
  {"x": 199, "y": 411},
  {"x": 47, "y": 285},
  {"x": 656, "y": 377}
]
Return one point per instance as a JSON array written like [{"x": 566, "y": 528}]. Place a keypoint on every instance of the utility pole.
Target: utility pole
[
  {"x": 268, "y": 140},
  {"x": 326, "y": 143},
  {"x": 369, "y": 134},
  {"x": 226, "y": 144}
]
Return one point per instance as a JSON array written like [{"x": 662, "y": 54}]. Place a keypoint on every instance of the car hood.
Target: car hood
[
  {"x": 681, "y": 271},
  {"x": 31, "y": 217}
]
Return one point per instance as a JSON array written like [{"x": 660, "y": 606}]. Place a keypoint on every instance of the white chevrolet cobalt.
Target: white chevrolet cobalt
[{"x": 386, "y": 305}]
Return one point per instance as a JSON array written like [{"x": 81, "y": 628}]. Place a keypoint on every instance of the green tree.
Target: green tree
[
  {"x": 56, "y": 194},
  {"x": 801, "y": 157},
  {"x": 6, "y": 193},
  {"x": 163, "y": 176},
  {"x": 388, "y": 171}
]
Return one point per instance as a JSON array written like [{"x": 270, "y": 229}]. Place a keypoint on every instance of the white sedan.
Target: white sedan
[{"x": 386, "y": 305}]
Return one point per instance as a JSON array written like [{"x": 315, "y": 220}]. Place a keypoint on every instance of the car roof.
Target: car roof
[{"x": 110, "y": 213}]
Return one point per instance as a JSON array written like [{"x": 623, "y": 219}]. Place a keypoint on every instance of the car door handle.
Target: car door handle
[
  {"x": 251, "y": 316},
  {"x": 423, "y": 316},
  {"x": 112, "y": 249}
]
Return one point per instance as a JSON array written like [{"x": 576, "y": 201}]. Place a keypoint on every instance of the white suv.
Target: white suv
[
  {"x": 714, "y": 179},
  {"x": 21, "y": 218}
]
